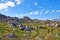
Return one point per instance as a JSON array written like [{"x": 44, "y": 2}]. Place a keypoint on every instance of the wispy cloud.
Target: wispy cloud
[
  {"x": 31, "y": 13},
  {"x": 35, "y": 3},
  {"x": 58, "y": 11},
  {"x": 36, "y": 12},
  {"x": 16, "y": 15},
  {"x": 22, "y": 15},
  {"x": 40, "y": 12},
  {"x": 18, "y": 1},
  {"x": 46, "y": 12},
  {"x": 52, "y": 11},
  {"x": 2, "y": 0}
]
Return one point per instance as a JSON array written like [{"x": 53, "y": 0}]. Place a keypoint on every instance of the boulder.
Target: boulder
[{"x": 10, "y": 35}]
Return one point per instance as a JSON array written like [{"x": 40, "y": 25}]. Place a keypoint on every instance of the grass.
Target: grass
[{"x": 42, "y": 33}]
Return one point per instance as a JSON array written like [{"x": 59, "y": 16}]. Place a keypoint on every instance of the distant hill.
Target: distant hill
[
  {"x": 15, "y": 19},
  {"x": 2, "y": 17},
  {"x": 58, "y": 20},
  {"x": 20, "y": 20}
]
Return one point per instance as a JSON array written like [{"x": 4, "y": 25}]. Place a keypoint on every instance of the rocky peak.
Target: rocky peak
[{"x": 26, "y": 17}]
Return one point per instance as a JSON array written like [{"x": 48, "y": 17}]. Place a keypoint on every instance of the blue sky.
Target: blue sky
[{"x": 36, "y": 9}]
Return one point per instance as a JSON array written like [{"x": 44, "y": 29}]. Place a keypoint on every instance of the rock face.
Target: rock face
[
  {"x": 25, "y": 19},
  {"x": 10, "y": 35},
  {"x": 11, "y": 21}
]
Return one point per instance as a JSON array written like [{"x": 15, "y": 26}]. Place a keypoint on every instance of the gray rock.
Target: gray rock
[{"x": 10, "y": 35}]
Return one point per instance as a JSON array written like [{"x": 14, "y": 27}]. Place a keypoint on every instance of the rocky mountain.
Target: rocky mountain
[
  {"x": 2, "y": 17},
  {"x": 14, "y": 21}
]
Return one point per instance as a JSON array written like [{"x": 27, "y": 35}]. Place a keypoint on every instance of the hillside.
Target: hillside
[{"x": 13, "y": 28}]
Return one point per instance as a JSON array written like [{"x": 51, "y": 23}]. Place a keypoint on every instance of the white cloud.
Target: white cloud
[
  {"x": 2, "y": 0},
  {"x": 52, "y": 11},
  {"x": 18, "y": 1},
  {"x": 36, "y": 12},
  {"x": 40, "y": 12},
  {"x": 31, "y": 13},
  {"x": 16, "y": 15},
  {"x": 6, "y": 5},
  {"x": 46, "y": 12},
  {"x": 21, "y": 15},
  {"x": 58, "y": 11},
  {"x": 35, "y": 3},
  {"x": 2, "y": 5},
  {"x": 10, "y": 3}
]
